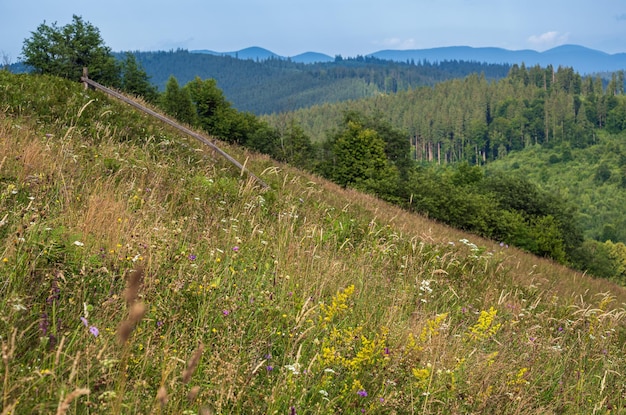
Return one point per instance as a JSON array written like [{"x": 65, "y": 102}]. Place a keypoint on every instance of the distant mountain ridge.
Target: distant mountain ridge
[
  {"x": 584, "y": 60},
  {"x": 261, "y": 54}
]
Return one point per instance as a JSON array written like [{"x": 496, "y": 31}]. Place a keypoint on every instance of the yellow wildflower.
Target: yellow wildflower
[{"x": 485, "y": 327}]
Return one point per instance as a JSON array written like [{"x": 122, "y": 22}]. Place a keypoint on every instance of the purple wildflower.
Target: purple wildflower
[
  {"x": 55, "y": 292},
  {"x": 43, "y": 324},
  {"x": 235, "y": 248},
  {"x": 362, "y": 392},
  {"x": 94, "y": 330},
  {"x": 225, "y": 312},
  {"x": 270, "y": 368},
  {"x": 192, "y": 257},
  {"x": 85, "y": 322}
]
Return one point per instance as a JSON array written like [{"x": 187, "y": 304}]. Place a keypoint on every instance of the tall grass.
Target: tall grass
[{"x": 140, "y": 274}]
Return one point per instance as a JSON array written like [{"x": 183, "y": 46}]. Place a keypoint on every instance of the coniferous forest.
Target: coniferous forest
[{"x": 276, "y": 85}]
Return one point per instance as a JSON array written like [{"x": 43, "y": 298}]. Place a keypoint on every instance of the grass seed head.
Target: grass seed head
[
  {"x": 193, "y": 363},
  {"x": 133, "y": 284}
]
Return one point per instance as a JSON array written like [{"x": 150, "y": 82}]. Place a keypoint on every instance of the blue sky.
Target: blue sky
[{"x": 346, "y": 27}]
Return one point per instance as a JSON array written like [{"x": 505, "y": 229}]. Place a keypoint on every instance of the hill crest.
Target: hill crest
[{"x": 583, "y": 59}]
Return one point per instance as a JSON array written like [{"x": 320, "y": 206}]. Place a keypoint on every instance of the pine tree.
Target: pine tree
[
  {"x": 135, "y": 80},
  {"x": 177, "y": 102}
]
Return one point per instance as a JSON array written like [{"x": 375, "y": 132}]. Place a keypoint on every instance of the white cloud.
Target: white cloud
[
  {"x": 397, "y": 43},
  {"x": 548, "y": 39}
]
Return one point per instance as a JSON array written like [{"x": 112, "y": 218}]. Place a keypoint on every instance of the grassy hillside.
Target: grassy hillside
[{"x": 140, "y": 274}]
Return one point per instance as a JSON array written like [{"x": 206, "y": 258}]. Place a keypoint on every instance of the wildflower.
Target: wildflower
[
  {"x": 485, "y": 327},
  {"x": 425, "y": 286},
  {"x": 5, "y": 260},
  {"x": 225, "y": 312},
  {"x": 43, "y": 324},
  {"x": 79, "y": 243},
  {"x": 519, "y": 378},
  {"x": 192, "y": 257},
  {"x": 338, "y": 304},
  {"x": 92, "y": 329},
  {"x": 421, "y": 376},
  {"x": 295, "y": 368},
  {"x": 362, "y": 392},
  {"x": 19, "y": 307},
  {"x": 270, "y": 368},
  {"x": 235, "y": 248}
]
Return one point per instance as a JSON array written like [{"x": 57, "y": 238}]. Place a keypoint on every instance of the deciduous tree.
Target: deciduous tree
[{"x": 64, "y": 51}]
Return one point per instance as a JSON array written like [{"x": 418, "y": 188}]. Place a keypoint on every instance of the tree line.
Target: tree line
[{"x": 477, "y": 120}]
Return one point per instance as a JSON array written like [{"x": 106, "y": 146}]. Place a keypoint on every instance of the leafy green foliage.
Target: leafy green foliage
[
  {"x": 591, "y": 178},
  {"x": 509, "y": 209},
  {"x": 177, "y": 102},
  {"x": 211, "y": 107},
  {"x": 64, "y": 51}
]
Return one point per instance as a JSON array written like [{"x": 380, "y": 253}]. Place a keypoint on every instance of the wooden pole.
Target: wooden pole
[
  {"x": 85, "y": 76},
  {"x": 175, "y": 125}
]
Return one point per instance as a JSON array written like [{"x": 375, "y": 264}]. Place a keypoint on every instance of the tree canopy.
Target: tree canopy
[{"x": 64, "y": 51}]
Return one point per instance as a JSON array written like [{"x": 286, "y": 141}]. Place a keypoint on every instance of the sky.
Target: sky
[{"x": 334, "y": 27}]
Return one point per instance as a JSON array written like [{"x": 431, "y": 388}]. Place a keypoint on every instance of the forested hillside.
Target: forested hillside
[
  {"x": 276, "y": 85},
  {"x": 476, "y": 119},
  {"x": 572, "y": 125}
]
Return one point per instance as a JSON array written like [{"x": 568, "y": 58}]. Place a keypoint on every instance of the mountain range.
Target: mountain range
[{"x": 584, "y": 60}]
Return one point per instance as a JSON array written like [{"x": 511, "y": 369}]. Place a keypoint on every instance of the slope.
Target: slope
[{"x": 141, "y": 274}]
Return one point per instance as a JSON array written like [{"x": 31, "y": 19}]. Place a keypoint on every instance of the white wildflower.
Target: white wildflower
[{"x": 295, "y": 368}]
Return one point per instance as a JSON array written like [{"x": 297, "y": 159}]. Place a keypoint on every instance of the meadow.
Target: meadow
[{"x": 140, "y": 273}]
